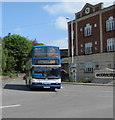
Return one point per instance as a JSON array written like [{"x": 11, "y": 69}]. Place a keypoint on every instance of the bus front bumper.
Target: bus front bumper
[{"x": 42, "y": 85}]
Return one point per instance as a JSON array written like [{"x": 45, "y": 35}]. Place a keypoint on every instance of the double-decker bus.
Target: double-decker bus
[{"x": 43, "y": 67}]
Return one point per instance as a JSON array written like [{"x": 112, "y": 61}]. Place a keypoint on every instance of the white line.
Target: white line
[{"x": 10, "y": 106}]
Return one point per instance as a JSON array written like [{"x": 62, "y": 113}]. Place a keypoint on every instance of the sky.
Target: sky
[{"x": 44, "y": 21}]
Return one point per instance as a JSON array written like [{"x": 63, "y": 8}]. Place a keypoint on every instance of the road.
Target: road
[{"x": 72, "y": 101}]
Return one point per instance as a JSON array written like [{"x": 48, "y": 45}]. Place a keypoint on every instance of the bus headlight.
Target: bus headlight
[{"x": 34, "y": 80}]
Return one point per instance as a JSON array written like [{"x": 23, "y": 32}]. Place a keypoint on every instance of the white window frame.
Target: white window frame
[
  {"x": 89, "y": 67},
  {"x": 81, "y": 29},
  {"x": 95, "y": 42},
  {"x": 88, "y": 30},
  {"x": 110, "y": 24},
  {"x": 110, "y": 44},
  {"x": 95, "y": 25},
  {"x": 81, "y": 45},
  {"x": 111, "y": 65},
  {"x": 88, "y": 48}
]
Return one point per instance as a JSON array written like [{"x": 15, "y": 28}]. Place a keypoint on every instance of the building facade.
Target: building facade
[{"x": 92, "y": 33}]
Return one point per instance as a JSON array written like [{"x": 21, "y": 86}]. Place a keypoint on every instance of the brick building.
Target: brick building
[{"x": 93, "y": 38}]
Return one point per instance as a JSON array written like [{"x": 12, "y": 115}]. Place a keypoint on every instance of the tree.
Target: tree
[
  {"x": 35, "y": 43},
  {"x": 15, "y": 50},
  {"x": 4, "y": 59}
]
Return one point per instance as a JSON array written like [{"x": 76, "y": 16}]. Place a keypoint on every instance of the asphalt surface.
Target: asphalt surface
[{"x": 71, "y": 101}]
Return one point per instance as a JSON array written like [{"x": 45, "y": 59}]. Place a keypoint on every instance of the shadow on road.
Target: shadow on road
[
  {"x": 22, "y": 87},
  {"x": 16, "y": 87}
]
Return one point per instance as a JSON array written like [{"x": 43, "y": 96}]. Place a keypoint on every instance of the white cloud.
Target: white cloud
[
  {"x": 62, "y": 43},
  {"x": 61, "y": 23},
  {"x": 73, "y": 6},
  {"x": 52, "y": 9},
  {"x": 64, "y": 7}
]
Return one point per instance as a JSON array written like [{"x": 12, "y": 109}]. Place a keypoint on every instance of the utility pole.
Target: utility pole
[
  {"x": 72, "y": 48},
  {"x": 72, "y": 65}
]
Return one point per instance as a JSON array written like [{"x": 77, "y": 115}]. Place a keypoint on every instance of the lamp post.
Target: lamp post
[
  {"x": 72, "y": 69},
  {"x": 72, "y": 48}
]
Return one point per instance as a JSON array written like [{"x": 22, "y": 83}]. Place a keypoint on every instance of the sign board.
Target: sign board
[
  {"x": 105, "y": 73},
  {"x": 72, "y": 65}
]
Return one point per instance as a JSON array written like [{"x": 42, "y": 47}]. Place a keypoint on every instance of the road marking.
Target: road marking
[{"x": 10, "y": 106}]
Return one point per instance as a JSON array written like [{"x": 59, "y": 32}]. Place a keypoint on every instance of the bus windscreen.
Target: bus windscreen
[
  {"x": 47, "y": 71},
  {"x": 46, "y": 52}
]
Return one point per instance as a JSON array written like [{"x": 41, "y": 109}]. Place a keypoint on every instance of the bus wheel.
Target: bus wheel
[{"x": 52, "y": 89}]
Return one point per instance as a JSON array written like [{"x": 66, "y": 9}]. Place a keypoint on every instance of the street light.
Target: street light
[
  {"x": 72, "y": 69},
  {"x": 72, "y": 48}
]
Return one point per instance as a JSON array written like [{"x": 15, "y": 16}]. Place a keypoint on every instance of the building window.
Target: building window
[
  {"x": 96, "y": 48},
  {"x": 81, "y": 45},
  {"x": 96, "y": 66},
  {"x": 95, "y": 42},
  {"x": 81, "y": 66},
  {"x": 88, "y": 30},
  {"x": 111, "y": 44},
  {"x": 81, "y": 50},
  {"x": 88, "y": 48},
  {"x": 81, "y": 29},
  {"x": 110, "y": 24},
  {"x": 111, "y": 65},
  {"x": 95, "y": 25},
  {"x": 87, "y": 10},
  {"x": 89, "y": 67}
]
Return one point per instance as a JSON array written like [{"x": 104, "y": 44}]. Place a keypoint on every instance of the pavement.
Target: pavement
[{"x": 90, "y": 84}]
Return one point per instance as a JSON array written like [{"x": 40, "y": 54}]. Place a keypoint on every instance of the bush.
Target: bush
[{"x": 11, "y": 74}]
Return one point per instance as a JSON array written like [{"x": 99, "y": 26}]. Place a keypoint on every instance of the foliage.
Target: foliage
[
  {"x": 4, "y": 58},
  {"x": 35, "y": 43},
  {"x": 15, "y": 51}
]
